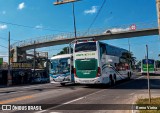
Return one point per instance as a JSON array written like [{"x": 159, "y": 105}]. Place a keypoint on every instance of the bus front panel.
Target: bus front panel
[{"x": 86, "y": 68}]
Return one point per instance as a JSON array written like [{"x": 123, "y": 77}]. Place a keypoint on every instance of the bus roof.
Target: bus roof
[
  {"x": 61, "y": 56},
  {"x": 114, "y": 46},
  {"x": 85, "y": 41}
]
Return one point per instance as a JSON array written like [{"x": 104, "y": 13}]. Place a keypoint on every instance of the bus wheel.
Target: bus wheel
[
  {"x": 110, "y": 80},
  {"x": 62, "y": 84},
  {"x": 114, "y": 79},
  {"x": 128, "y": 75}
]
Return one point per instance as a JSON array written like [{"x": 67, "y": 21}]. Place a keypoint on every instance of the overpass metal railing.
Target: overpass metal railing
[{"x": 90, "y": 32}]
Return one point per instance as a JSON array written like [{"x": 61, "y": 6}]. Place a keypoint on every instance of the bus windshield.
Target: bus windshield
[
  {"x": 90, "y": 46},
  {"x": 149, "y": 61},
  {"x": 60, "y": 66}
]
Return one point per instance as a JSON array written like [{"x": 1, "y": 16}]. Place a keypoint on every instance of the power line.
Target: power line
[
  {"x": 20, "y": 25},
  {"x": 104, "y": 1},
  {"x": 3, "y": 46},
  {"x": 3, "y": 38},
  {"x": 7, "y": 39}
]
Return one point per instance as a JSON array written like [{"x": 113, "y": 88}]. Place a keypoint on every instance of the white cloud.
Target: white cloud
[
  {"x": 108, "y": 19},
  {"x": 2, "y": 27},
  {"x": 3, "y": 12},
  {"x": 21, "y": 6},
  {"x": 39, "y": 27},
  {"x": 113, "y": 30},
  {"x": 91, "y": 11}
]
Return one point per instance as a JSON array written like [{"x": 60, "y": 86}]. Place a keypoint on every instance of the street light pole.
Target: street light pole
[
  {"x": 73, "y": 12},
  {"x": 158, "y": 14},
  {"x": 149, "y": 92},
  {"x": 74, "y": 21},
  {"x": 34, "y": 60},
  {"x": 128, "y": 45},
  {"x": 74, "y": 17},
  {"x": 129, "y": 54},
  {"x": 9, "y": 82}
]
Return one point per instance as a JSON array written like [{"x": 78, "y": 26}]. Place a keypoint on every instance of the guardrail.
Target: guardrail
[{"x": 90, "y": 32}]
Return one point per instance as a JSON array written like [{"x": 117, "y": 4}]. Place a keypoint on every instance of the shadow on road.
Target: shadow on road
[{"x": 130, "y": 84}]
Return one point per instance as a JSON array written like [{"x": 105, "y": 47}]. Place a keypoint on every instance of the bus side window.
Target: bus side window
[{"x": 102, "y": 50}]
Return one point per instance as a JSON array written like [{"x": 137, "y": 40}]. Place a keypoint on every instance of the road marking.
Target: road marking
[
  {"x": 14, "y": 88},
  {"x": 16, "y": 99},
  {"x": 131, "y": 93},
  {"x": 61, "y": 105},
  {"x": 40, "y": 111},
  {"x": 10, "y": 92},
  {"x": 73, "y": 100},
  {"x": 55, "y": 112},
  {"x": 35, "y": 86},
  {"x": 24, "y": 87},
  {"x": 85, "y": 96}
]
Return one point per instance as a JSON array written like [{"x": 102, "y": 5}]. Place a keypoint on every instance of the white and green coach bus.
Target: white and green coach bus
[{"x": 99, "y": 63}]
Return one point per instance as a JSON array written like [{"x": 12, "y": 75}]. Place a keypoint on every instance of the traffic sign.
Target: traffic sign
[{"x": 133, "y": 27}]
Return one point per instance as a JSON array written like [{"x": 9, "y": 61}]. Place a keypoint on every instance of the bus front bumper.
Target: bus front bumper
[{"x": 96, "y": 80}]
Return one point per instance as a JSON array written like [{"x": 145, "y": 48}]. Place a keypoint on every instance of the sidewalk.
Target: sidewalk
[{"x": 143, "y": 96}]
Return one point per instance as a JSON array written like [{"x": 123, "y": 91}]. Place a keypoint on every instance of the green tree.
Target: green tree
[
  {"x": 130, "y": 58},
  {"x": 157, "y": 63},
  {"x": 139, "y": 63},
  {"x": 65, "y": 50}
]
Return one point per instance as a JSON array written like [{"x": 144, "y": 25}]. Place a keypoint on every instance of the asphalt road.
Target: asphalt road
[{"x": 80, "y": 98}]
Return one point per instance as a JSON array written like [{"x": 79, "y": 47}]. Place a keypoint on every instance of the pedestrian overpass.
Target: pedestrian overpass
[
  {"x": 116, "y": 32},
  {"x": 51, "y": 41}
]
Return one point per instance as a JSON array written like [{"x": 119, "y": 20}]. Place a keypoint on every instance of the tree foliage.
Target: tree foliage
[
  {"x": 157, "y": 63},
  {"x": 139, "y": 63},
  {"x": 130, "y": 58},
  {"x": 65, "y": 50}
]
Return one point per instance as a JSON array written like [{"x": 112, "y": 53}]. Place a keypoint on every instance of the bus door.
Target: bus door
[
  {"x": 70, "y": 63},
  {"x": 103, "y": 58}
]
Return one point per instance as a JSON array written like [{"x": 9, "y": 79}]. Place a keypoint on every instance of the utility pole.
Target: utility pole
[
  {"x": 74, "y": 20},
  {"x": 149, "y": 93},
  {"x": 158, "y": 14},
  {"x": 34, "y": 60},
  {"x": 73, "y": 12},
  {"x": 129, "y": 54},
  {"x": 128, "y": 45},
  {"x": 9, "y": 82}
]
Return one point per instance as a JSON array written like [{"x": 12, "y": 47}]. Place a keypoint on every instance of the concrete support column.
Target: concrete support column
[{"x": 158, "y": 13}]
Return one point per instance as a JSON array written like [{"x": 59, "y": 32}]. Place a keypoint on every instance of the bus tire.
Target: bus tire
[
  {"x": 114, "y": 79},
  {"x": 62, "y": 84},
  {"x": 128, "y": 75},
  {"x": 110, "y": 80}
]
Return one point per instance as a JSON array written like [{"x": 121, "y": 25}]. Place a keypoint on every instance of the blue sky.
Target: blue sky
[{"x": 58, "y": 19}]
